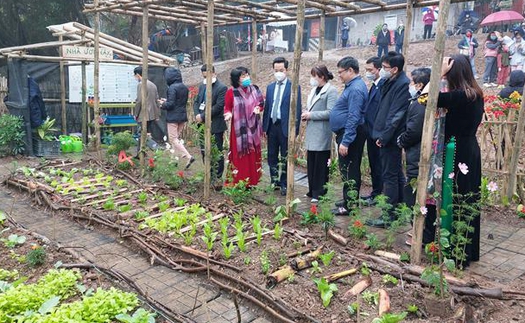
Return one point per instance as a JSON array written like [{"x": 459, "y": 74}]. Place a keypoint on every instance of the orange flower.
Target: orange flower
[
  {"x": 358, "y": 224},
  {"x": 313, "y": 209},
  {"x": 180, "y": 174}
]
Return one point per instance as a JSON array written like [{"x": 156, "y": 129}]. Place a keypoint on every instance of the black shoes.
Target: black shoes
[
  {"x": 340, "y": 211},
  {"x": 283, "y": 191},
  {"x": 191, "y": 161}
]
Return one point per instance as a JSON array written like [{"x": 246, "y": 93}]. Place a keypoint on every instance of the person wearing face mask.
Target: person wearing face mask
[
  {"x": 243, "y": 104},
  {"x": 347, "y": 120},
  {"x": 372, "y": 68},
  {"x": 492, "y": 46},
  {"x": 517, "y": 51},
  {"x": 383, "y": 41},
  {"x": 399, "y": 37},
  {"x": 388, "y": 125},
  {"x": 275, "y": 122},
  {"x": 410, "y": 138},
  {"x": 218, "y": 125},
  {"x": 467, "y": 46},
  {"x": 318, "y": 136}
]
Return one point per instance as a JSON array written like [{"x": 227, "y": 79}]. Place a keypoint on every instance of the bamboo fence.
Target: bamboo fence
[{"x": 3, "y": 93}]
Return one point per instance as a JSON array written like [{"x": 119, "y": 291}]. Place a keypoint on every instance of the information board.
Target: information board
[{"x": 117, "y": 83}]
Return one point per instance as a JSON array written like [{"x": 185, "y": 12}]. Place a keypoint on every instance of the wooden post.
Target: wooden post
[
  {"x": 408, "y": 28},
  {"x": 144, "y": 87},
  {"x": 253, "y": 73},
  {"x": 96, "y": 97},
  {"x": 513, "y": 169},
  {"x": 428, "y": 131},
  {"x": 293, "y": 105},
  {"x": 63, "y": 89},
  {"x": 322, "y": 25},
  {"x": 207, "y": 112},
  {"x": 84, "y": 105},
  {"x": 203, "y": 42}
]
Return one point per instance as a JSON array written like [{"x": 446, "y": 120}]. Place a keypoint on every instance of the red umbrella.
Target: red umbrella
[{"x": 502, "y": 17}]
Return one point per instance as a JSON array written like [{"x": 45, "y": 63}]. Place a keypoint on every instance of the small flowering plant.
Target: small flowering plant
[
  {"x": 521, "y": 211},
  {"x": 310, "y": 216},
  {"x": 498, "y": 107},
  {"x": 357, "y": 229},
  {"x": 432, "y": 251}
]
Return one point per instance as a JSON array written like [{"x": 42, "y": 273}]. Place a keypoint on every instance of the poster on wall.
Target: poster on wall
[{"x": 117, "y": 83}]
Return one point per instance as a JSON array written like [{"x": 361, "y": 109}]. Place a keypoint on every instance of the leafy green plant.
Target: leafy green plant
[
  {"x": 163, "y": 206},
  {"x": 139, "y": 215},
  {"x": 12, "y": 135},
  {"x": 241, "y": 241},
  {"x": 3, "y": 217},
  {"x": 238, "y": 192},
  {"x": 45, "y": 131},
  {"x": 389, "y": 279},
  {"x": 13, "y": 240},
  {"x": 370, "y": 297},
  {"x": 412, "y": 308},
  {"x": 143, "y": 197},
  {"x": 326, "y": 290},
  {"x": 283, "y": 259},
  {"x": 257, "y": 228},
  {"x": 224, "y": 224},
  {"x": 365, "y": 271},
  {"x": 357, "y": 229},
  {"x": 124, "y": 208},
  {"x": 36, "y": 256},
  {"x": 433, "y": 277},
  {"x": 291, "y": 278},
  {"x": 8, "y": 274},
  {"x": 109, "y": 205},
  {"x": 390, "y": 318},
  {"x": 121, "y": 141},
  {"x": 310, "y": 216},
  {"x": 353, "y": 308},
  {"x": 179, "y": 202},
  {"x": 404, "y": 257},
  {"x": 247, "y": 260},
  {"x": 209, "y": 235},
  {"x": 372, "y": 241},
  {"x": 326, "y": 258},
  {"x": 227, "y": 249},
  {"x": 326, "y": 218},
  {"x": 315, "y": 267},
  {"x": 265, "y": 262},
  {"x": 190, "y": 234},
  {"x": 167, "y": 170},
  {"x": 140, "y": 316},
  {"x": 277, "y": 231}
]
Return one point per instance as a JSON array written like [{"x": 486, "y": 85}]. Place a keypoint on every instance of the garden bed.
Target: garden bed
[{"x": 239, "y": 246}]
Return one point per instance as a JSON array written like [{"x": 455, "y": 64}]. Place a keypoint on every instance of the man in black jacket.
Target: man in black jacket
[
  {"x": 388, "y": 125},
  {"x": 382, "y": 41},
  {"x": 218, "y": 125}
]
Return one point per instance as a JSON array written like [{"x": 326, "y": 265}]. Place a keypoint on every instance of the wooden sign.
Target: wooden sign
[{"x": 88, "y": 53}]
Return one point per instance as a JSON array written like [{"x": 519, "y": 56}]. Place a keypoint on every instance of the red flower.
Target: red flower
[
  {"x": 313, "y": 209},
  {"x": 180, "y": 174},
  {"x": 151, "y": 163},
  {"x": 433, "y": 248},
  {"x": 358, "y": 224}
]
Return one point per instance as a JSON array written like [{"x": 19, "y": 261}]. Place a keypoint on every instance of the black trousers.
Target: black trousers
[
  {"x": 218, "y": 141},
  {"x": 376, "y": 170},
  {"x": 350, "y": 165},
  {"x": 393, "y": 177},
  {"x": 277, "y": 153},
  {"x": 427, "y": 32},
  {"x": 344, "y": 42},
  {"x": 318, "y": 172}
]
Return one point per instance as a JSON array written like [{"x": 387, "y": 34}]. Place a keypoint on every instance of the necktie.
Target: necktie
[{"x": 277, "y": 102}]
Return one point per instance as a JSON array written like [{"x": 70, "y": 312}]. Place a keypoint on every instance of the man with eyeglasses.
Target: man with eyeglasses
[
  {"x": 347, "y": 120},
  {"x": 388, "y": 125}
]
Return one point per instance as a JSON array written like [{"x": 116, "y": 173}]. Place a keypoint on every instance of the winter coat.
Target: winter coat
[
  {"x": 492, "y": 48},
  {"x": 517, "y": 51},
  {"x": 383, "y": 39},
  {"x": 516, "y": 83},
  {"x": 151, "y": 106},
  {"x": 465, "y": 43},
  {"x": 389, "y": 122},
  {"x": 428, "y": 18},
  {"x": 344, "y": 32},
  {"x": 318, "y": 135},
  {"x": 410, "y": 139},
  {"x": 399, "y": 36},
  {"x": 37, "y": 108},
  {"x": 177, "y": 97},
  {"x": 218, "y": 91}
]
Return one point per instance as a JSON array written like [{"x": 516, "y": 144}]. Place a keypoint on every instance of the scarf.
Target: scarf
[{"x": 247, "y": 127}]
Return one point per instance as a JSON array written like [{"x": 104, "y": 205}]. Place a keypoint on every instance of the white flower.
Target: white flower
[
  {"x": 463, "y": 168},
  {"x": 165, "y": 138},
  {"x": 181, "y": 141},
  {"x": 172, "y": 151},
  {"x": 451, "y": 175},
  {"x": 176, "y": 158},
  {"x": 423, "y": 210},
  {"x": 438, "y": 172},
  {"x": 329, "y": 162},
  {"x": 234, "y": 172},
  {"x": 168, "y": 146},
  {"x": 492, "y": 187}
]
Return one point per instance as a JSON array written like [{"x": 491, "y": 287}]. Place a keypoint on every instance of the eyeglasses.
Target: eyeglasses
[
  {"x": 386, "y": 67},
  {"x": 341, "y": 71}
]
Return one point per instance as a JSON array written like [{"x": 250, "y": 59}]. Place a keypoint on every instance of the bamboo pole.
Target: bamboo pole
[
  {"x": 203, "y": 41},
  {"x": 428, "y": 131},
  {"x": 293, "y": 105},
  {"x": 96, "y": 69},
  {"x": 62, "y": 89},
  {"x": 41, "y": 45},
  {"x": 408, "y": 27},
  {"x": 253, "y": 73},
  {"x": 84, "y": 105},
  {"x": 207, "y": 112},
  {"x": 322, "y": 25},
  {"x": 144, "y": 87},
  {"x": 518, "y": 141}
]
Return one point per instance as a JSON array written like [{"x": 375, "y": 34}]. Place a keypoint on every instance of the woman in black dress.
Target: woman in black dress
[{"x": 465, "y": 106}]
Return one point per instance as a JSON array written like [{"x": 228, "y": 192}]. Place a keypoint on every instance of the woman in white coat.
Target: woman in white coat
[
  {"x": 318, "y": 138},
  {"x": 517, "y": 51}
]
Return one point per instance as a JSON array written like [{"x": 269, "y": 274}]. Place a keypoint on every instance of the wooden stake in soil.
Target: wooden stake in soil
[
  {"x": 428, "y": 131},
  {"x": 144, "y": 88},
  {"x": 253, "y": 73},
  {"x": 322, "y": 27},
  {"x": 293, "y": 105},
  {"x": 96, "y": 86},
  {"x": 518, "y": 141},
  {"x": 63, "y": 89},
  {"x": 408, "y": 27},
  {"x": 207, "y": 112},
  {"x": 278, "y": 276}
]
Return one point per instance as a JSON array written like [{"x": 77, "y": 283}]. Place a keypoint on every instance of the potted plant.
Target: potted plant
[{"x": 45, "y": 143}]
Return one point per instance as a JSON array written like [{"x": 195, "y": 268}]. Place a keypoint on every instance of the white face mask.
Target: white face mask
[
  {"x": 385, "y": 74},
  {"x": 370, "y": 76},
  {"x": 413, "y": 91},
  {"x": 213, "y": 79},
  {"x": 279, "y": 76},
  {"x": 314, "y": 82}
]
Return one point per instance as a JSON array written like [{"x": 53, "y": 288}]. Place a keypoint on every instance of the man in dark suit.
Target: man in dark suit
[
  {"x": 275, "y": 121},
  {"x": 383, "y": 41},
  {"x": 218, "y": 125},
  {"x": 372, "y": 67},
  {"x": 388, "y": 125}
]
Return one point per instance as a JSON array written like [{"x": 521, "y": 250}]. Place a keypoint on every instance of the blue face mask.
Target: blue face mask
[{"x": 246, "y": 82}]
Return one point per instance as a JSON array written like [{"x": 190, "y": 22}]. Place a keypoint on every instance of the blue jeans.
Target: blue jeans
[
  {"x": 473, "y": 65},
  {"x": 491, "y": 70},
  {"x": 380, "y": 49},
  {"x": 399, "y": 48}
]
